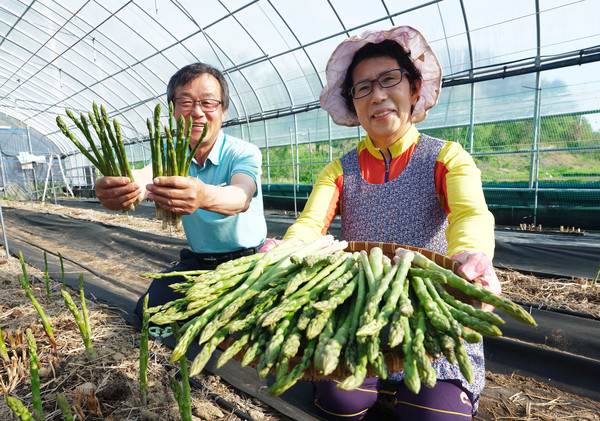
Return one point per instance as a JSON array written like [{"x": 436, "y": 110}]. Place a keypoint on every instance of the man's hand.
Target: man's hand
[
  {"x": 180, "y": 195},
  {"x": 116, "y": 193},
  {"x": 184, "y": 195},
  {"x": 477, "y": 266}
]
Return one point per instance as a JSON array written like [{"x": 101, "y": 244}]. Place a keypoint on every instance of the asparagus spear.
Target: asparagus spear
[
  {"x": 24, "y": 280},
  {"x": 46, "y": 275},
  {"x": 35, "y": 378},
  {"x": 297, "y": 372},
  {"x": 182, "y": 391},
  {"x": 18, "y": 408},
  {"x": 512, "y": 309},
  {"x": 3, "y": 351},
  {"x": 144, "y": 351},
  {"x": 85, "y": 334},
  {"x": 64, "y": 407}
]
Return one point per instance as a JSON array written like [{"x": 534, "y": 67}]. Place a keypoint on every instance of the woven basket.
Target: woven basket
[{"x": 393, "y": 357}]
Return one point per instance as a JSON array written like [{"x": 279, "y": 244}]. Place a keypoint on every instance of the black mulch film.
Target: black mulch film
[{"x": 562, "y": 351}]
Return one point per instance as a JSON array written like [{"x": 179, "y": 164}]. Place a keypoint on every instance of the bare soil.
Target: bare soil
[{"x": 107, "y": 387}]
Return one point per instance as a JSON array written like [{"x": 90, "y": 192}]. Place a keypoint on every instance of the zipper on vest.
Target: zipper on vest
[{"x": 387, "y": 166}]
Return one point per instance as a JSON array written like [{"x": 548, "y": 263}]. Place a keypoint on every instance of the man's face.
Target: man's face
[{"x": 204, "y": 87}]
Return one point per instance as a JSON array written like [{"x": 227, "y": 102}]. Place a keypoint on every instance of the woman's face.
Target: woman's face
[{"x": 385, "y": 112}]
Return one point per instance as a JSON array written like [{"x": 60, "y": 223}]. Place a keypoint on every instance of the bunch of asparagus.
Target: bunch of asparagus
[
  {"x": 171, "y": 156},
  {"x": 340, "y": 308},
  {"x": 110, "y": 159}
]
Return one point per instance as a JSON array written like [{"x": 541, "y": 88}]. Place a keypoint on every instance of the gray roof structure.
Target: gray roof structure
[{"x": 59, "y": 54}]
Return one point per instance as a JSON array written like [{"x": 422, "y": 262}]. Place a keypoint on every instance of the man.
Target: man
[{"x": 220, "y": 199}]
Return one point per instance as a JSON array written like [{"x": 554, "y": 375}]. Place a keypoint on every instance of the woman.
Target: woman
[{"x": 400, "y": 186}]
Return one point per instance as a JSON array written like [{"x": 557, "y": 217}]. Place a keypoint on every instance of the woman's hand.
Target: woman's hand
[
  {"x": 269, "y": 244},
  {"x": 477, "y": 266}
]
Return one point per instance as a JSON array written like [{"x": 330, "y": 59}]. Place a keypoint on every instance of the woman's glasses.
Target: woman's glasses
[{"x": 385, "y": 79}]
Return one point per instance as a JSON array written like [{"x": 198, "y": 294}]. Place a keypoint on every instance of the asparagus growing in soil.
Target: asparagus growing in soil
[
  {"x": 144, "y": 352},
  {"x": 182, "y": 391},
  {"x": 24, "y": 280},
  {"x": 84, "y": 312},
  {"x": 36, "y": 396},
  {"x": 3, "y": 351},
  {"x": 62, "y": 270},
  {"x": 180, "y": 398},
  {"x": 18, "y": 408},
  {"x": 46, "y": 276},
  {"x": 85, "y": 334},
  {"x": 63, "y": 405}
]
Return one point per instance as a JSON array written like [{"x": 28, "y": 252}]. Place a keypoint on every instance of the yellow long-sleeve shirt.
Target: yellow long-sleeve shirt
[{"x": 457, "y": 182}]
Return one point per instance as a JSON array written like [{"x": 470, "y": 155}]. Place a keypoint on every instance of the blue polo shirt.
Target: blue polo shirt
[{"x": 210, "y": 232}]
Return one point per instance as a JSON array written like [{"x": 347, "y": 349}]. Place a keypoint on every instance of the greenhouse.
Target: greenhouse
[{"x": 84, "y": 83}]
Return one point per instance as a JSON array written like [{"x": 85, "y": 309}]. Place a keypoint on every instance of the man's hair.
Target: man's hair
[
  {"x": 190, "y": 72},
  {"x": 385, "y": 48}
]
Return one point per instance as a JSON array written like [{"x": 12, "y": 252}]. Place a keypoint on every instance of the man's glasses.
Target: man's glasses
[
  {"x": 385, "y": 79},
  {"x": 206, "y": 105}
]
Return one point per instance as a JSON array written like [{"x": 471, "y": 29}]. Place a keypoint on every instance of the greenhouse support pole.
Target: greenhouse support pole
[
  {"x": 312, "y": 176},
  {"x": 47, "y": 177},
  {"x": 293, "y": 172},
  {"x": 472, "y": 119},
  {"x": 53, "y": 185},
  {"x": 33, "y": 166},
  {"x": 330, "y": 157},
  {"x": 536, "y": 130},
  {"x": 267, "y": 153},
  {"x": 2, "y": 172},
  {"x": 535, "y": 147},
  {"x": 62, "y": 173},
  {"x": 4, "y": 235}
]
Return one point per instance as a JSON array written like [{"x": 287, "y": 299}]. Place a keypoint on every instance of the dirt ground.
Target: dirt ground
[{"x": 107, "y": 387}]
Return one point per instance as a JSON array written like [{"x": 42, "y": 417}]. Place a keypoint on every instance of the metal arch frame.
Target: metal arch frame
[
  {"x": 149, "y": 87},
  {"x": 210, "y": 41},
  {"x": 454, "y": 80},
  {"x": 303, "y": 47},
  {"x": 307, "y": 107},
  {"x": 50, "y": 63},
  {"x": 471, "y": 73}
]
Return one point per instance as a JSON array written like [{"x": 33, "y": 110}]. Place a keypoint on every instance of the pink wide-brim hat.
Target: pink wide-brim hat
[{"x": 421, "y": 54}]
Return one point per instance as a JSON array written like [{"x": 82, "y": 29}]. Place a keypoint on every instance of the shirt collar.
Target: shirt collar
[
  {"x": 214, "y": 156},
  {"x": 410, "y": 137}
]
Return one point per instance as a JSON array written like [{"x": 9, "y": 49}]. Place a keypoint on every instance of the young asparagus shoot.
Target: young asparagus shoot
[
  {"x": 3, "y": 351},
  {"x": 18, "y": 408},
  {"x": 46, "y": 275},
  {"x": 62, "y": 270},
  {"x": 182, "y": 391},
  {"x": 63, "y": 405},
  {"x": 24, "y": 280},
  {"x": 35, "y": 378},
  {"x": 144, "y": 352},
  {"x": 84, "y": 312},
  {"x": 85, "y": 334}
]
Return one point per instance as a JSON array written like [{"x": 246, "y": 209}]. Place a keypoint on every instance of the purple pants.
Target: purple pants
[{"x": 447, "y": 401}]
